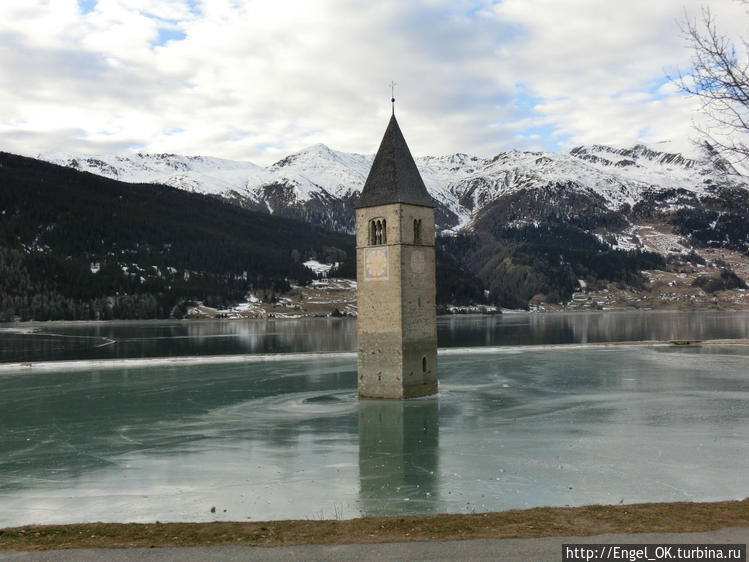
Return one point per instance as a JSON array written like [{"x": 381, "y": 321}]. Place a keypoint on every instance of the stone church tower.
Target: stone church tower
[{"x": 397, "y": 322}]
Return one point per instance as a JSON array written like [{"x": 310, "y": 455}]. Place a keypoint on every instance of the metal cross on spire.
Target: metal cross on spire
[{"x": 392, "y": 94}]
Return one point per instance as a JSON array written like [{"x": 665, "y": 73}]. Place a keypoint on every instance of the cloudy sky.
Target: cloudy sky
[{"x": 255, "y": 80}]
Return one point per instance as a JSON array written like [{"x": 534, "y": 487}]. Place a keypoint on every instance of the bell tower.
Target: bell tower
[{"x": 395, "y": 272}]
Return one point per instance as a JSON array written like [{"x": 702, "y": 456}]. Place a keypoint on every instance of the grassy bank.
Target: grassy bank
[{"x": 530, "y": 523}]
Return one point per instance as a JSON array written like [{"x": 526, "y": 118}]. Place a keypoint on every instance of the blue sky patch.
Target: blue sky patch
[
  {"x": 194, "y": 7},
  {"x": 168, "y": 35},
  {"x": 559, "y": 144},
  {"x": 657, "y": 84},
  {"x": 86, "y": 6},
  {"x": 547, "y": 137},
  {"x": 523, "y": 101}
]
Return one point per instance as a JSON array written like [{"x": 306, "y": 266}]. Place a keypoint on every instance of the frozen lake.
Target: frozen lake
[
  {"x": 287, "y": 438},
  {"x": 116, "y": 340}
]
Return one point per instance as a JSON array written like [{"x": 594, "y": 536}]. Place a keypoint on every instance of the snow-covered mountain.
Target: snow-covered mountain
[
  {"x": 316, "y": 184},
  {"x": 535, "y": 226},
  {"x": 321, "y": 185},
  {"x": 192, "y": 173}
]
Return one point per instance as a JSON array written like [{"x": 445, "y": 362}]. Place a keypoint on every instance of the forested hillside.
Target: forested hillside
[
  {"x": 546, "y": 261},
  {"x": 78, "y": 246}
]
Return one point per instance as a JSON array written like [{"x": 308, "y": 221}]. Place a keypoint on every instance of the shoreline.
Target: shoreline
[
  {"x": 536, "y": 522},
  {"x": 552, "y": 312},
  {"x": 144, "y": 362}
]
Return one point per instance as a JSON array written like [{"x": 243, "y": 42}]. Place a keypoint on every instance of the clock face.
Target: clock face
[
  {"x": 418, "y": 262},
  {"x": 375, "y": 263}
]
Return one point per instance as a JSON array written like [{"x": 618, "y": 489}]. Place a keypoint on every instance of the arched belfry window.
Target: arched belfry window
[
  {"x": 377, "y": 232},
  {"x": 417, "y": 231}
]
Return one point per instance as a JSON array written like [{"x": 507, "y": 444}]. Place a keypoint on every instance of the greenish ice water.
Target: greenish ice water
[{"x": 281, "y": 438}]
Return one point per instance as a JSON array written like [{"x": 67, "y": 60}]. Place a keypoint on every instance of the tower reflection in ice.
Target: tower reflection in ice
[{"x": 398, "y": 456}]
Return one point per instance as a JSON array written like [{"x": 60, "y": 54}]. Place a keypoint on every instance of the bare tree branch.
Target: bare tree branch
[{"x": 719, "y": 77}]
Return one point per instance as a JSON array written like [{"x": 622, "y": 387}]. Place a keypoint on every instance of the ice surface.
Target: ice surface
[
  {"x": 77, "y": 365},
  {"x": 277, "y": 439},
  {"x": 25, "y": 343}
]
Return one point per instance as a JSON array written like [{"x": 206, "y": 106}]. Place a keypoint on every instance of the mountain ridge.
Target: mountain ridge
[
  {"x": 318, "y": 177},
  {"x": 622, "y": 209}
]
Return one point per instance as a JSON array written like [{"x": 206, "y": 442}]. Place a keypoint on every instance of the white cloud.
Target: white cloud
[
  {"x": 597, "y": 68},
  {"x": 254, "y": 80}
]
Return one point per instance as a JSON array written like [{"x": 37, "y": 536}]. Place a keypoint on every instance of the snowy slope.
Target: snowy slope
[
  {"x": 193, "y": 173},
  {"x": 317, "y": 180},
  {"x": 318, "y": 168},
  {"x": 620, "y": 176},
  {"x": 465, "y": 183}
]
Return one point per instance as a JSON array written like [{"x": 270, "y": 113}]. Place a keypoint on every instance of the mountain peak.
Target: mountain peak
[
  {"x": 314, "y": 151},
  {"x": 318, "y": 148}
]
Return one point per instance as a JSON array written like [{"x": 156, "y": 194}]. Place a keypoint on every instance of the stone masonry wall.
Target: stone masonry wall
[{"x": 396, "y": 324}]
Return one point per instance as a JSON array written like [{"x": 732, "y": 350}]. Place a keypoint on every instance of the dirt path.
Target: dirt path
[{"x": 530, "y": 523}]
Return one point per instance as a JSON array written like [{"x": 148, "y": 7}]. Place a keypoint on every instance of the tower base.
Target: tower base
[
  {"x": 414, "y": 391},
  {"x": 408, "y": 373}
]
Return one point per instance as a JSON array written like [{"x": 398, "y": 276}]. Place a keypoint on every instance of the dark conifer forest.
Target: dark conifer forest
[{"x": 77, "y": 246}]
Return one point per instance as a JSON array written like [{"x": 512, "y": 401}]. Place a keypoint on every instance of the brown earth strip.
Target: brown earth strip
[{"x": 530, "y": 523}]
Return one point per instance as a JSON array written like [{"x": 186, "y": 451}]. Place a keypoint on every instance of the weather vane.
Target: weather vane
[{"x": 392, "y": 94}]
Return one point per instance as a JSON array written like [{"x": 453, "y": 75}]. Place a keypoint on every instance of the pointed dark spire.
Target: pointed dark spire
[{"x": 394, "y": 177}]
